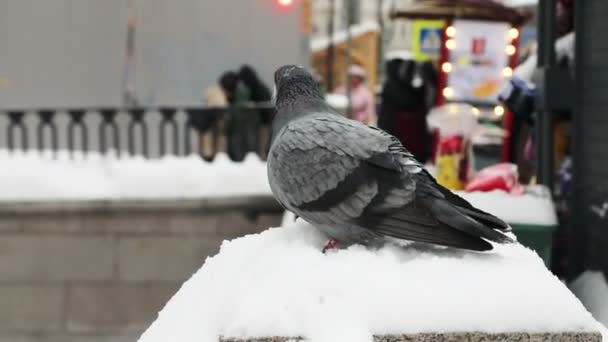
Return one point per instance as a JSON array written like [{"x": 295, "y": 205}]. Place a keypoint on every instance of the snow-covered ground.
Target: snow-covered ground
[
  {"x": 592, "y": 289},
  {"x": 30, "y": 177},
  {"x": 279, "y": 282}
]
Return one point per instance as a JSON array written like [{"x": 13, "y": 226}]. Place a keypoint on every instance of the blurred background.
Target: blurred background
[{"x": 133, "y": 135}]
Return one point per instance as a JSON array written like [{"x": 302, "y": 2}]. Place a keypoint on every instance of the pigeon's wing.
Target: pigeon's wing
[
  {"x": 334, "y": 169},
  {"x": 438, "y": 216},
  {"x": 423, "y": 220}
]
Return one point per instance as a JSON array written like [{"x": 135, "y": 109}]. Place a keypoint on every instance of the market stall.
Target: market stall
[{"x": 474, "y": 44}]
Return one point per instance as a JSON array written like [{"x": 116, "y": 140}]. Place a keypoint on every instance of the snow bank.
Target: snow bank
[
  {"x": 30, "y": 176},
  {"x": 592, "y": 289},
  {"x": 534, "y": 208},
  {"x": 279, "y": 283}
]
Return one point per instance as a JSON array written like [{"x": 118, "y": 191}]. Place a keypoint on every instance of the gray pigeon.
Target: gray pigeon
[{"x": 358, "y": 184}]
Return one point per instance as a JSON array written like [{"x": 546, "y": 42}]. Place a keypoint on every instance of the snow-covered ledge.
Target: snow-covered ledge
[
  {"x": 455, "y": 337},
  {"x": 279, "y": 283}
]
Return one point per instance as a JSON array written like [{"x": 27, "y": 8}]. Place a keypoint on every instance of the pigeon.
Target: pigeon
[{"x": 358, "y": 184}]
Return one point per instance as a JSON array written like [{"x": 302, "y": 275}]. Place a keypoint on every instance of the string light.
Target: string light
[
  {"x": 448, "y": 92},
  {"x": 446, "y": 67},
  {"x": 499, "y": 110},
  {"x": 450, "y": 31},
  {"x": 510, "y": 50},
  {"x": 513, "y": 33},
  {"x": 507, "y": 72},
  {"x": 476, "y": 111},
  {"x": 450, "y": 44}
]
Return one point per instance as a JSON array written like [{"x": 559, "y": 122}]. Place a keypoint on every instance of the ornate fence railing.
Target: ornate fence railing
[{"x": 149, "y": 132}]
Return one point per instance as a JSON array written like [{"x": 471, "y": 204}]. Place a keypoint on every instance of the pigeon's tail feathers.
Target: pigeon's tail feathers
[
  {"x": 486, "y": 219},
  {"x": 398, "y": 226},
  {"x": 456, "y": 218},
  {"x": 467, "y": 209},
  {"x": 415, "y": 222}
]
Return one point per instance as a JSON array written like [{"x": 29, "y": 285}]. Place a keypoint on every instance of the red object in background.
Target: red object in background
[
  {"x": 479, "y": 46},
  {"x": 285, "y": 3},
  {"x": 410, "y": 128},
  {"x": 451, "y": 144},
  {"x": 435, "y": 142},
  {"x": 501, "y": 176},
  {"x": 442, "y": 77}
]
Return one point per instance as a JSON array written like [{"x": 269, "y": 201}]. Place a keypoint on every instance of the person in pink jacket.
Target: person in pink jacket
[{"x": 362, "y": 100}]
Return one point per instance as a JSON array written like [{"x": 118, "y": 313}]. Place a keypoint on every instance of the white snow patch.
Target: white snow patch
[
  {"x": 535, "y": 207},
  {"x": 320, "y": 43},
  {"x": 31, "y": 177},
  {"x": 591, "y": 288},
  {"x": 279, "y": 283}
]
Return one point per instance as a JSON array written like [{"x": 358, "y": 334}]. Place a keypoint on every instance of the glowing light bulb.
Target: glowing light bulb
[
  {"x": 476, "y": 111},
  {"x": 450, "y": 44},
  {"x": 507, "y": 72},
  {"x": 499, "y": 110},
  {"x": 446, "y": 67},
  {"x": 513, "y": 33},
  {"x": 448, "y": 92},
  {"x": 510, "y": 50},
  {"x": 450, "y": 31}
]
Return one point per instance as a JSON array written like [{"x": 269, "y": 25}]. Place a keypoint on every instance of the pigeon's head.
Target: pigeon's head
[
  {"x": 294, "y": 84},
  {"x": 289, "y": 73}
]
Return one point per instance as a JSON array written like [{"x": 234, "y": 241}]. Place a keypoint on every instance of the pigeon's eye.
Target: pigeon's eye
[{"x": 288, "y": 71}]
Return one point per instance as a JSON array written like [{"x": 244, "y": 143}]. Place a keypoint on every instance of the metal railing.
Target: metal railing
[{"x": 148, "y": 132}]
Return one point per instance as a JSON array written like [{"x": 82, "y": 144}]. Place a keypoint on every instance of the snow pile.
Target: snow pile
[
  {"x": 279, "y": 283},
  {"x": 31, "y": 176},
  {"x": 592, "y": 289},
  {"x": 534, "y": 208}
]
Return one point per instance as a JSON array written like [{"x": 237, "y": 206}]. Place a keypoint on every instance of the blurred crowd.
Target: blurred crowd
[{"x": 247, "y": 101}]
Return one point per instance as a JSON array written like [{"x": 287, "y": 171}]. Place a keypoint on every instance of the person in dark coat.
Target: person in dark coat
[
  {"x": 261, "y": 97},
  {"x": 407, "y": 96},
  {"x": 242, "y": 122},
  {"x": 260, "y": 93}
]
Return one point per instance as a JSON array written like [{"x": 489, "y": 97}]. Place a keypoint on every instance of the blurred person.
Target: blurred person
[
  {"x": 362, "y": 100},
  {"x": 260, "y": 93},
  {"x": 215, "y": 97},
  {"x": 407, "y": 96},
  {"x": 242, "y": 121},
  {"x": 261, "y": 97}
]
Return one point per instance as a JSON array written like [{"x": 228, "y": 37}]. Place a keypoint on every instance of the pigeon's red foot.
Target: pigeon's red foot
[{"x": 331, "y": 244}]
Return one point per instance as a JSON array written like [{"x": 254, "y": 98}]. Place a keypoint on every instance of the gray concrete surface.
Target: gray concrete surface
[
  {"x": 99, "y": 271},
  {"x": 457, "y": 337}
]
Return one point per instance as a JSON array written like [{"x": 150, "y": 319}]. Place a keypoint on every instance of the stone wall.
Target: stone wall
[{"x": 99, "y": 271}]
